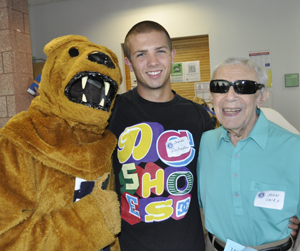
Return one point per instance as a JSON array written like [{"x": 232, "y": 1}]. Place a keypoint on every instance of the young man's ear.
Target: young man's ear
[
  {"x": 128, "y": 63},
  {"x": 173, "y": 53},
  {"x": 262, "y": 98}
]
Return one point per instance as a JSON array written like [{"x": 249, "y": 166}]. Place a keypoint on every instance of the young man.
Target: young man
[
  {"x": 158, "y": 136},
  {"x": 249, "y": 168}
]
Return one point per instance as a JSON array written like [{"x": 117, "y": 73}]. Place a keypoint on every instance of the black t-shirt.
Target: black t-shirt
[{"x": 155, "y": 170}]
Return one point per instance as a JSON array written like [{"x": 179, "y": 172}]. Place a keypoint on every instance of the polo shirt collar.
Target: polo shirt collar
[{"x": 259, "y": 133}]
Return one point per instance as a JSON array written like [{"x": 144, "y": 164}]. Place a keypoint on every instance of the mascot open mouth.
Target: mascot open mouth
[{"x": 92, "y": 89}]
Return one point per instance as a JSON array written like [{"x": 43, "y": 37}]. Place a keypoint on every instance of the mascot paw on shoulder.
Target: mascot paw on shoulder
[{"x": 56, "y": 178}]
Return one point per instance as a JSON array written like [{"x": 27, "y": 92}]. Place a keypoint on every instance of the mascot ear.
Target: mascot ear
[{"x": 58, "y": 42}]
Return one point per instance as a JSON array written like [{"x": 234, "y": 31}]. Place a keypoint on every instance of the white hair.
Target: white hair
[{"x": 261, "y": 73}]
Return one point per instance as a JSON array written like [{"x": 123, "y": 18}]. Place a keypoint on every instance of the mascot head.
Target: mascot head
[{"x": 79, "y": 82}]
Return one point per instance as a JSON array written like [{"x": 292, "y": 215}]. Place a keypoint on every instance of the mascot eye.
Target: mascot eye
[
  {"x": 73, "y": 52},
  {"x": 101, "y": 58}
]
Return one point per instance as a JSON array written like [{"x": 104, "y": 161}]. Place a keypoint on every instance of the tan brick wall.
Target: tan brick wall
[{"x": 16, "y": 72}]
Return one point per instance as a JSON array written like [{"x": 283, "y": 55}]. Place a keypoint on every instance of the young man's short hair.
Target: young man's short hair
[{"x": 144, "y": 27}]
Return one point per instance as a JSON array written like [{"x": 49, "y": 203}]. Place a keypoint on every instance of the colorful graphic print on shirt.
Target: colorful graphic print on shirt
[{"x": 144, "y": 189}]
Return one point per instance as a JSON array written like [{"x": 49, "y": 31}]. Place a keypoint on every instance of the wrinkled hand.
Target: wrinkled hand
[
  {"x": 294, "y": 225},
  {"x": 108, "y": 203}
]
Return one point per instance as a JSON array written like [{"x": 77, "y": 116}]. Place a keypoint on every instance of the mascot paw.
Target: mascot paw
[{"x": 108, "y": 203}]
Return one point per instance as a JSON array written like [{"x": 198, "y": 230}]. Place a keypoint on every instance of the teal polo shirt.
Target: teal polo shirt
[{"x": 249, "y": 192}]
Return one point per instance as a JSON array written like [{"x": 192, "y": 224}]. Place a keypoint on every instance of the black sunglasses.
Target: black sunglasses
[{"x": 239, "y": 86}]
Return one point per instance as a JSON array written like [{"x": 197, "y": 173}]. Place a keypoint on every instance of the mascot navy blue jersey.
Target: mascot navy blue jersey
[{"x": 155, "y": 170}]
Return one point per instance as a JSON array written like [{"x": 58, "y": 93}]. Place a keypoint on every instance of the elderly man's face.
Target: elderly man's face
[{"x": 237, "y": 112}]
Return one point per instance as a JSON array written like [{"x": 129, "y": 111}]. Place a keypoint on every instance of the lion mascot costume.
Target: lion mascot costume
[{"x": 56, "y": 178}]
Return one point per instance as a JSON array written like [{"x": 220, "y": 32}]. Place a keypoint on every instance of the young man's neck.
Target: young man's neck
[{"x": 159, "y": 95}]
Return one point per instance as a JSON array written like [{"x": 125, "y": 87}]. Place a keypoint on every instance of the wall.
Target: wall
[{"x": 235, "y": 27}]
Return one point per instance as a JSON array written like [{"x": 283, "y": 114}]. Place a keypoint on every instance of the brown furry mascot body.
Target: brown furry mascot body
[{"x": 60, "y": 138}]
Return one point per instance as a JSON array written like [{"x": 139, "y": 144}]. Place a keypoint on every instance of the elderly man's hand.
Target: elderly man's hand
[{"x": 294, "y": 225}]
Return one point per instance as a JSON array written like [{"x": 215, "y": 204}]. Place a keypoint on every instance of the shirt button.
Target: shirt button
[
  {"x": 235, "y": 175},
  {"x": 236, "y": 195},
  {"x": 236, "y": 156}
]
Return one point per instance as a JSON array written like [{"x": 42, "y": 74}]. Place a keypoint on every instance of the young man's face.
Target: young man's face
[
  {"x": 151, "y": 59},
  {"x": 237, "y": 112}
]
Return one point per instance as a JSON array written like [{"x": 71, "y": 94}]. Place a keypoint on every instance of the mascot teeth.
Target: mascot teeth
[
  {"x": 102, "y": 102},
  {"x": 107, "y": 85},
  {"x": 83, "y": 81},
  {"x": 92, "y": 89},
  {"x": 84, "y": 98}
]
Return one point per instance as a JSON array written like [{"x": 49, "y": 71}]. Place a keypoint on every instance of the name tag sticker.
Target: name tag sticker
[
  {"x": 270, "y": 199},
  {"x": 234, "y": 246},
  {"x": 178, "y": 146}
]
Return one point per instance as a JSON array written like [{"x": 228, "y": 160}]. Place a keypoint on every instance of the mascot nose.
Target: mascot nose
[{"x": 101, "y": 58}]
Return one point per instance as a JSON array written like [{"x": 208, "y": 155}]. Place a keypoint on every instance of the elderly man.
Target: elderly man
[{"x": 249, "y": 168}]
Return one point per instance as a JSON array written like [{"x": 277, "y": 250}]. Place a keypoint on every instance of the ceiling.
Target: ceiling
[{"x": 36, "y": 2}]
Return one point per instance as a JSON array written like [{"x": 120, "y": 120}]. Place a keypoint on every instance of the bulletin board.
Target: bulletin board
[{"x": 291, "y": 80}]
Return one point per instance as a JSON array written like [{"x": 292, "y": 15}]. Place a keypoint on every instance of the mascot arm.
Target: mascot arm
[
  {"x": 83, "y": 226},
  {"x": 107, "y": 202},
  {"x": 17, "y": 188},
  {"x": 96, "y": 218},
  {"x": 26, "y": 225}
]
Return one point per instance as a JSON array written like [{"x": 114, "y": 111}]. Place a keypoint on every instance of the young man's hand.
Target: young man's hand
[{"x": 37, "y": 92}]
